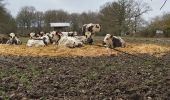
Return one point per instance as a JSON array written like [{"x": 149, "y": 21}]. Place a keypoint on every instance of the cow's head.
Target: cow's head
[
  {"x": 96, "y": 28},
  {"x": 108, "y": 41},
  {"x": 12, "y": 35},
  {"x": 55, "y": 37},
  {"x": 32, "y": 35},
  {"x": 89, "y": 39},
  {"x": 107, "y": 37}
]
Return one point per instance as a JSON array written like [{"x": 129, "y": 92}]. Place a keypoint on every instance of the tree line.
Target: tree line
[
  {"x": 28, "y": 19},
  {"x": 122, "y": 17},
  {"x": 7, "y": 22}
]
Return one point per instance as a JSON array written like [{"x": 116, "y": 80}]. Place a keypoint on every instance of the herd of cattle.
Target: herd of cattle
[{"x": 67, "y": 39}]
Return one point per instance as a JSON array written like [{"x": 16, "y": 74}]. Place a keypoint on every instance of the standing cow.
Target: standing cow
[{"x": 89, "y": 31}]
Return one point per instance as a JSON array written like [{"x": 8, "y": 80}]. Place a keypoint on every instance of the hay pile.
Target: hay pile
[
  {"x": 151, "y": 49},
  {"x": 88, "y": 50}
]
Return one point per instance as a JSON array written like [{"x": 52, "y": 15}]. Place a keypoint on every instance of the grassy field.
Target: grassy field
[{"x": 91, "y": 72}]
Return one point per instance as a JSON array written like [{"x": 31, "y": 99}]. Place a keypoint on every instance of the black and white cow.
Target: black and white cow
[
  {"x": 65, "y": 40},
  {"x": 89, "y": 31},
  {"x": 35, "y": 42},
  {"x": 36, "y": 35},
  {"x": 39, "y": 40},
  {"x": 13, "y": 39},
  {"x": 55, "y": 37},
  {"x": 113, "y": 41},
  {"x": 93, "y": 28}
]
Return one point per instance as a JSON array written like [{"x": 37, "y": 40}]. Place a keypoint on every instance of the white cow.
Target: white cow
[
  {"x": 70, "y": 42},
  {"x": 39, "y": 41},
  {"x": 36, "y": 43}
]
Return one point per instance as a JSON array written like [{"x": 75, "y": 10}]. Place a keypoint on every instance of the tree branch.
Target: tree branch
[{"x": 163, "y": 4}]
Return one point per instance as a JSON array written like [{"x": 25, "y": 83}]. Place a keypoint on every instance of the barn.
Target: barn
[
  {"x": 159, "y": 33},
  {"x": 60, "y": 26}
]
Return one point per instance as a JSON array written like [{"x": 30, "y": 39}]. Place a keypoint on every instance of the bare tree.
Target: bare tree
[
  {"x": 122, "y": 16},
  {"x": 52, "y": 16},
  {"x": 39, "y": 21},
  {"x": 140, "y": 9},
  {"x": 163, "y": 4},
  {"x": 7, "y": 22},
  {"x": 26, "y": 18}
]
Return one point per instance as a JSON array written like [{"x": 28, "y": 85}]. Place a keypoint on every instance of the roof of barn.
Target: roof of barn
[{"x": 60, "y": 24}]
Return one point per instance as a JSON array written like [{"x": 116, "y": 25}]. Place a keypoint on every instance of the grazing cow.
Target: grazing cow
[
  {"x": 13, "y": 39},
  {"x": 90, "y": 29},
  {"x": 113, "y": 41}
]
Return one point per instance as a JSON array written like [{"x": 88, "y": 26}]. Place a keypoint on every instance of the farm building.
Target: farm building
[
  {"x": 159, "y": 33},
  {"x": 60, "y": 26}
]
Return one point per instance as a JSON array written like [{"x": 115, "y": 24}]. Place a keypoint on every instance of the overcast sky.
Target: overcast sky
[{"x": 79, "y": 6}]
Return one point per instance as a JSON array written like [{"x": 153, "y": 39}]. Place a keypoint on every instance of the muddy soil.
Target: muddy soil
[{"x": 121, "y": 77}]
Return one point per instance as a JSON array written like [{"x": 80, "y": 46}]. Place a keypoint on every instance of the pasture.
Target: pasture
[{"x": 90, "y": 72}]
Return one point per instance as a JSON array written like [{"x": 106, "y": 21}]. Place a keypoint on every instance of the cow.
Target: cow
[
  {"x": 90, "y": 29},
  {"x": 70, "y": 42},
  {"x": 113, "y": 41},
  {"x": 13, "y": 39},
  {"x": 93, "y": 28},
  {"x": 36, "y": 42},
  {"x": 32, "y": 35},
  {"x": 39, "y": 41}
]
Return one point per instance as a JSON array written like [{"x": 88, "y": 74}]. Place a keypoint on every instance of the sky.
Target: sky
[{"x": 79, "y": 6}]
